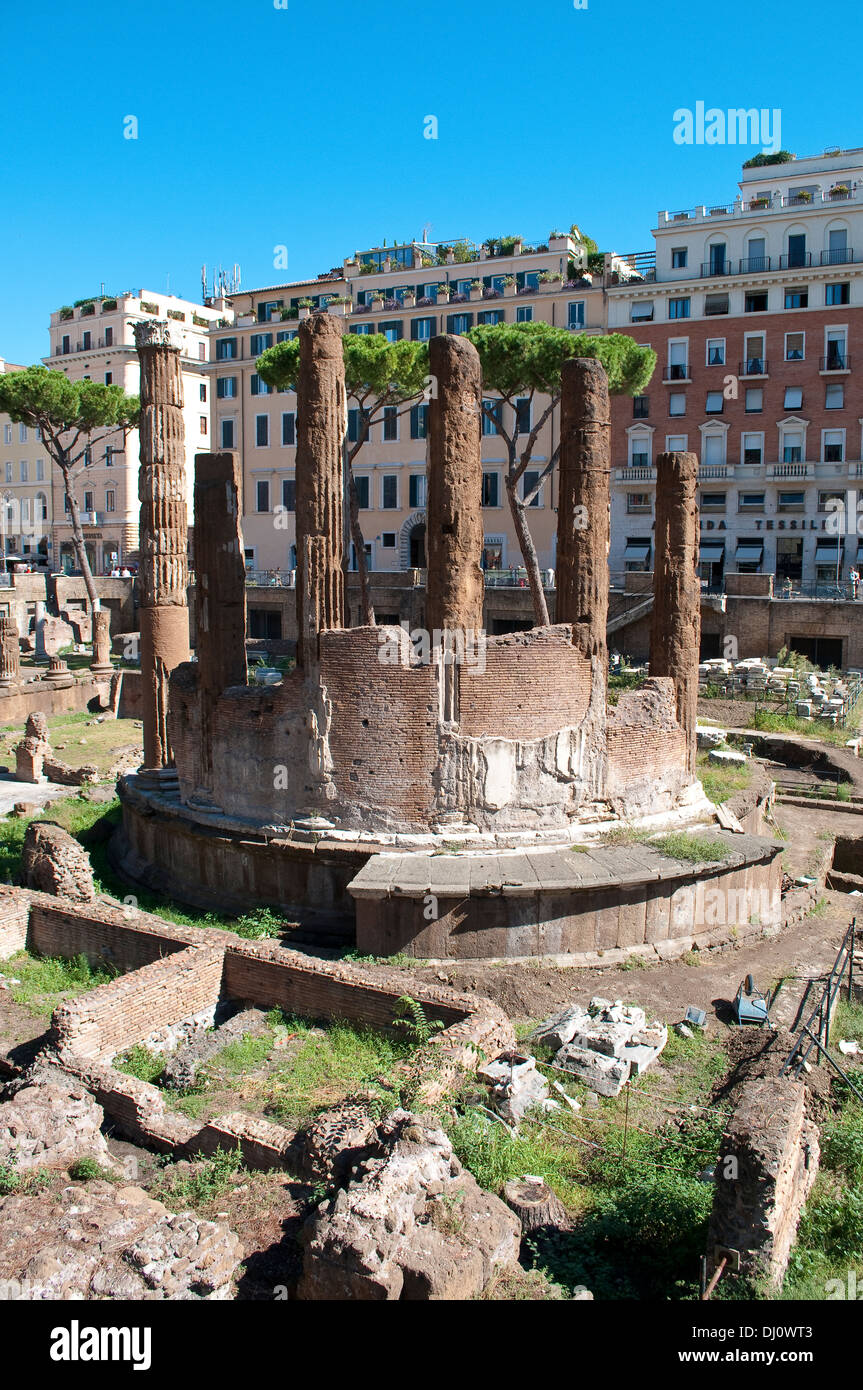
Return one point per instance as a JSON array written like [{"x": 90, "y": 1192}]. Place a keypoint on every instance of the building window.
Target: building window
[
  {"x": 22, "y": 434},
  {"x": 391, "y": 424},
  {"x": 227, "y": 434},
  {"x": 677, "y": 403},
  {"x": 226, "y": 388},
  {"x": 793, "y": 397},
  {"x": 362, "y": 485},
  {"x": 795, "y": 347},
  {"x": 459, "y": 323},
  {"x": 259, "y": 342},
  {"x": 678, "y": 257},
  {"x": 392, "y": 331},
  {"x": 491, "y": 424},
  {"x": 109, "y": 500},
  {"x": 109, "y": 337},
  {"x": 7, "y": 434},
  {"x": 638, "y": 502},
  {"x": 755, "y": 302},
  {"x": 262, "y": 431},
  {"x": 833, "y": 446},
  {"x": 750, "y": 502},
  {"x": 640, "y": 407},
  {"x": 714, "y": 403},
  {"x": 753, "y": 448},
  {"x": 388, "y": 540},
  {"x": 88, "y": 340},
  {"x": 522, "y": 415},
  {"x": 791, "y": 501},
  {"x": 715, "y": 304},
  {"x": 109, "y": 378},
  {"x": 202, "y": 392},
  {"x": 575, "y": 314},
  {"x": 797, "y": 299},
  {"x": 389, "y": 492},
  {"x": 417, "y": 489},
  {"x": 524, "y": 313},
  {"x": 676, "y": 443},
  {"x": 202, "y": 352},
  {"x": 289, "y": 494},
  {"x": 262, "y": 495},
  {"x": 491, "y": 489},
  {"x": 289, "y": 433},
  {"x": 25, "y": 471},
  {"x": 641, "y": 313},
  {"x": 836, "y": 359},
  {"x": 678, "y": 308},
  {"x": 529, "y": 481},
  {"x": 66, "y": 343},
  {"x": 753, "y": 352},
  {"x": 713, "y": 501},
  {"x": 831, "y": 501},
  {"x": 203, "y": 425},
  {"x": 422, "y": 329},
  {"x": 837, "y": 294},
  {"x": 716, "y": 352},
  {"x": 353, "y": 426},
  {"x": 40, "y": 466},
  {"x": 834, "y": 396},
  {"x": 678, "y": 361},
  {"x": 88, "y": 502},
  {"x": 225, "y": 348},
  {"x": 490, "y": 316},
  {"x": 639, "y": 451},
  {"x": 792, "y": 447},
  {"x": 258, "y": 386},
  {"x": 419, "y": 421}
]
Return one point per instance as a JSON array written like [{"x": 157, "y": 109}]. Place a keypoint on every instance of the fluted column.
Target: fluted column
[
  {"x": 583, "y": 509},
  {"x": 676, "y": 625},
  {"x": 163, "y": 570},
  {"x": 454, "y": 525}
]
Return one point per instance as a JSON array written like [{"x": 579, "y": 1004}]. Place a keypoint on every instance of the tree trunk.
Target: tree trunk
[
  {"x": 528, "y": 551},
  {"x": 534, "y": 1204},
  {"x": 78, "y": 539}
]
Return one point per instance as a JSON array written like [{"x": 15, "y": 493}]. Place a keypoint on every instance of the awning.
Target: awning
[
  {"x": 637, "y": 550},
  {"x": 750, "y": 552},
  {"x": 827, "y": 552},
  {"x": 712, "y": 552}
]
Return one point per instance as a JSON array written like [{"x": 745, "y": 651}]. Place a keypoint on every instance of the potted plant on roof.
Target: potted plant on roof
[
  {"x": 757, "y": 203},
  {"x": 376, "y": 298},
  {"x": 338, "y": 305},
  {"x": 409, "y": 298},
  {"x": 839, "y": 190},
  {"x": 510, "y": 284},
  {"x": 476, "y": 289}
]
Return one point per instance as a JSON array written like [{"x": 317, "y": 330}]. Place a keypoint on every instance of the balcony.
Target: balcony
[
  {"x": 754, "y": 265},
  {"x": 796, "y": 260},
  {"x": 753, "y": 366},
  {"x": 677, "y": 371},
  {"x": 709, "y": 268},
  {"x": 838, "y": 255},
  {"x": 788, "y": 470},
  {"x": 836, "y": 362}
]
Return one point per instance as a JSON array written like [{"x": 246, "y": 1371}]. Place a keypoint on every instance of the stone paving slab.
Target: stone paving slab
[{"x": 37, "y": 793}]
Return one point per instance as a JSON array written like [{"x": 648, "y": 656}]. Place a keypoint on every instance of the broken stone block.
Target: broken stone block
[
  {"x": 49, "y": 1120},
  {"x": 335, "y": 1142},
  {"x": 611, "y": 1039},
  {"x": 605, "y": 1075},
  {"x": 53, "y": 862},
  {"x": 411, "y": 1224},
  {"x": 709, "y": 738},
  {"x": 561, "y": 1027},
  {"x": 515, "y": 1086},
  {"x": 726, "y": 757}
]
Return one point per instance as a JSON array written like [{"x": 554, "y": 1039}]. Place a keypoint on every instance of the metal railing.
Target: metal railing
[
  {"x": 814, "y": 1033},
  {"x": 836, "y": 362}
]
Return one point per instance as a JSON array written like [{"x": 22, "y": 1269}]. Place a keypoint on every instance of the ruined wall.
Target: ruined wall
[
  {"x": 646, "y": 750},
  {"x": 534, "y": 683},
  {"x": 775, "y": 1149}
]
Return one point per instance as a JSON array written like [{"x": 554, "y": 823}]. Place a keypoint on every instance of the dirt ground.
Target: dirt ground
[{"x": 83, "y": 738}]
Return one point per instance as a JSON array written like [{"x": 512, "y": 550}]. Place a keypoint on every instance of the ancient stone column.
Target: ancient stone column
[
  {"x": 9, "y": 653},
  {"x": 454, "y": 528},
  {"x": 676, "y": 625},
  {"x": 220, "y": 587},
  {"x": 321, "y": 428},
  {"x": 583, "y": 507},
  {"x": 163, "y": 569},
  {"x": 101, "y": 663}
]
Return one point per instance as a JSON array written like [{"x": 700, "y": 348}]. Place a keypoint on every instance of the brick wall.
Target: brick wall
[
  {"x": 646, "y": 749},
  {"x": 534, "y": 683}
]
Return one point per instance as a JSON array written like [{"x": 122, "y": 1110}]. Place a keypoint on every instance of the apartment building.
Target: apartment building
[
  {"x": 25, "y": 492},
  {"x": 94, "y": 340},
  {"x": 395, "y": 292},
  {"x": 755, "y": 309}
]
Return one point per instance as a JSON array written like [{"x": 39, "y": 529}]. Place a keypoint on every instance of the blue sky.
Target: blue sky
[{"x": 303, "y": 126}]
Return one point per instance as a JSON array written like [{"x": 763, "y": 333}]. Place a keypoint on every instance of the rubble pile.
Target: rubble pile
[{"x": 603, "y": 1045}]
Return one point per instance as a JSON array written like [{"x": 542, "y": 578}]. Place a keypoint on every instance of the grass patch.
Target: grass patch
[
  {"x": 694, "y": 849},
  {"x": 208, "y": 1179},
  {"x": 14, "y": 1183},
  {"x": 720, "y": 783},
  {"x": 45, "y": 981},
  {"x": 821, "y": 731},
  {"x": 325, "y": 1069},
  {"x": 140, "y": 1062},
  {"x": 87, "y": 1170}
]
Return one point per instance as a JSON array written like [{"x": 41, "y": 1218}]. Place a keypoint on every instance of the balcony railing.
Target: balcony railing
[
  {"x": 714, "y": 268},
  {"x": 795, "y": 260},
  {"x": 836, "y": 362},
  {"x": 838, "y": 255},
  {"x": 678, "y": 371},
  {"x": 753, "y": 366}
]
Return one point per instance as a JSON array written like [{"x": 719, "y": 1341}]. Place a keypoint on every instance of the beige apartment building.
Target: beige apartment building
[
  {"x": 94, "y": 340},
  {"x": 395, "y": 292},
  {"x": 25, "y": 492}
]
